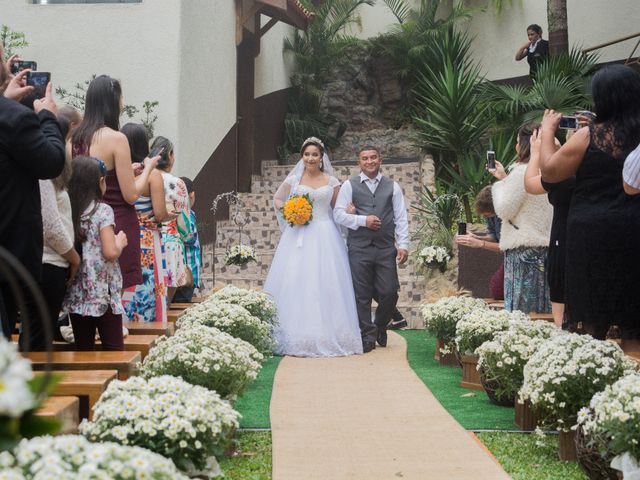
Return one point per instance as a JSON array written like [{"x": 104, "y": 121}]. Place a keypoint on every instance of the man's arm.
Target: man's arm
[
  {"x": 340, "y": 216},
  {"x": 402, "y": 224}
]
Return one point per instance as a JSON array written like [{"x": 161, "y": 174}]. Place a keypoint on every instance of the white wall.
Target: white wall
[
  {"x": 135, "y": 43},
  {"x": 273, "y": 69},
  {"x": 207, "y": 86}
]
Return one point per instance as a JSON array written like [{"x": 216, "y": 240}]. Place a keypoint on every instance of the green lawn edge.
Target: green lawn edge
[
  {"x": 254, "y": 403},
  {"x": 471, "y": 408}
]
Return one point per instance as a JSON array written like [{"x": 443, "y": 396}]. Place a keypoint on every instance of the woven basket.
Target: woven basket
[
  {"x": 490, "y": 386},
  {"x": 594, "y": 465}
]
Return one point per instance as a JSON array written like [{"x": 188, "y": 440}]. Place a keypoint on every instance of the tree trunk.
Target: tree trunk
[{"x": 558, "y": 30}]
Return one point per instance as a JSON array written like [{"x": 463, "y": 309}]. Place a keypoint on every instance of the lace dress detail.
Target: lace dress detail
[{"x": 310, "y": 280}]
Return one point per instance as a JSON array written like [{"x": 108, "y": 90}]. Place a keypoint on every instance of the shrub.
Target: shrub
[
  {"x": 477, "y": 327},
  {"x": 441, "y": 317},
  {"x": 259, "y": 304}
]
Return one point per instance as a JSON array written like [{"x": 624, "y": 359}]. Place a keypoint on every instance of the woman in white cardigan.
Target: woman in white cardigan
[{"x": 526, "y": 226}]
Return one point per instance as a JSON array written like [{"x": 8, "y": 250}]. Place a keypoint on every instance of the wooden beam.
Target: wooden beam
[{"x": 272, "y": 21}]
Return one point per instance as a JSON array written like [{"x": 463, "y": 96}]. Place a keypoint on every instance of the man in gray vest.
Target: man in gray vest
[{"x": 378, "y": 237}]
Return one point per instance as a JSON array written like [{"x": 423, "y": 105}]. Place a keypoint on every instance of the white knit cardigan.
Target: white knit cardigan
[{"x": 526, "y": 219}]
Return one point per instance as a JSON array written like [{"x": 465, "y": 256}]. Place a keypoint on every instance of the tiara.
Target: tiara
[{"x": 312, "y": 140}]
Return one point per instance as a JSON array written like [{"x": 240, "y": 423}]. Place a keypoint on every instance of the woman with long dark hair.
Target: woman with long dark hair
[
  {"x": 148, "y": 302},
  {"x": 603, "y": 225},
  {"x": 98, "y": 136}
]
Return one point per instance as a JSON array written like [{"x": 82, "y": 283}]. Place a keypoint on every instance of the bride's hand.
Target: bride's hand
[{"x": 350, "y": 209}]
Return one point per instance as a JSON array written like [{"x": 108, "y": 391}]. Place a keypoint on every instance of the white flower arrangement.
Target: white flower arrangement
[
  {"x": 239, "y": 255},
  {"x": 479, "y": 326},
  {"x": 188, "y": 424},
  {"x": 441, "y": 317},
  {"x": 16, "y": 396},
  {"x": 207, "y": 357},
  {"x": 566, "y": 371},
  {"x": 614, "y": 416},
  {"x": 232, "y": 319},
  {"x": 433, "y": 257},
  {"x": 502, "y": 359},
  {"x": 73, "y": 457},
  {"x": 259, "y": 304}
]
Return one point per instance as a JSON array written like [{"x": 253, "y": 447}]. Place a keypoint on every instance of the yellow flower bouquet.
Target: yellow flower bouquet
[{"x": 298, "y": 210}]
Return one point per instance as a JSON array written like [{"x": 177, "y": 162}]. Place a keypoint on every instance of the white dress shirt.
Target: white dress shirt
[
  {"x": 352, "y": 221},
  {"x": 631, "y": 169}
]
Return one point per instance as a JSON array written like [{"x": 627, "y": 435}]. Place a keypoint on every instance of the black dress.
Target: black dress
[
  {"x": 535, "y": 57},
  {"x": 603, "y": 253},
  {"x": 559, "y": 195}
]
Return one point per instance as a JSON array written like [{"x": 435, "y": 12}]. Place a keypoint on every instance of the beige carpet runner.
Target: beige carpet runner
[{"x": 367, "y": 417}]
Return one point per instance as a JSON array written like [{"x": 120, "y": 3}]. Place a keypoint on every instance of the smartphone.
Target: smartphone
[
  {"x": 462, "y": 228},
  {"x": 20, "y": 65},
  {"x": 491, "y": 160},
  {"x": 156, "y": 151},
  {"x": 568, "y": 122},
  {"x": 39, "y": 81}
]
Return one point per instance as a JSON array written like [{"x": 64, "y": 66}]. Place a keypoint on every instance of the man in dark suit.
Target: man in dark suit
[{"x": 31, "y": 148}]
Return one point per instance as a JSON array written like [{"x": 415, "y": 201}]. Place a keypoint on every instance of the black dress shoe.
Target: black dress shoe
[
  {"x": 397, "y": 325},
  {"x": 368, "y": 346},
  {"x": 382, "y": 336}
]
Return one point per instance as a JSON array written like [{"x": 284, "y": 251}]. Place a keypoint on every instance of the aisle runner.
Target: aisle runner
[{"x": 367, "y": 417}]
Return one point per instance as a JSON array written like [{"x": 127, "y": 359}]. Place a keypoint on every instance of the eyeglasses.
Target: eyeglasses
[{"x": 101, "y": 166}]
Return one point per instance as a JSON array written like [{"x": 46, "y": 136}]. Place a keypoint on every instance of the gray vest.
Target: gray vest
[{"x": 379, "y": 204}]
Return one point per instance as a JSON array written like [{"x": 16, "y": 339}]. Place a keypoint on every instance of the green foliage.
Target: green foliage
[
  {"x": 438, "y": 214},
  {"x": 315, "y": 51},
  {"x": 76, "y": 98},
  {"x": 11, "y": 41},
  {"x": 251, "y": 459}
]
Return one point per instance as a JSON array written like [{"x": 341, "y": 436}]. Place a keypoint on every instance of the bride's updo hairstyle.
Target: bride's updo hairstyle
[{"x": 315, "y": 141}]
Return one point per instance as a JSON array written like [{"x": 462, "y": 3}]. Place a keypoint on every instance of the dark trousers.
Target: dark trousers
[
  {"x": 53, "y": 286},
  {"x": 11, "y": 311},
  {"x": 109, "y": 325},
  {"x": 183, "y": 295},
  {"x": 374, "y": 271}
]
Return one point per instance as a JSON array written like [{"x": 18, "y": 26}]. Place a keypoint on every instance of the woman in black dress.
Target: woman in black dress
[
  {"x": 603, "y": 225},
  {"x": 535, "y": 50}
]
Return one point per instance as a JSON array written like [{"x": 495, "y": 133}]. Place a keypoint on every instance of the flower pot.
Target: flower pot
[
  {"x": 525, "y": 417},
  {"x": 567, "y": 446},
  {"x": 470, "y": 373},
  {"x": 446, "y": 359},
  {"x": 594, "y": 465},
  {"x": 490, "y": 386}
]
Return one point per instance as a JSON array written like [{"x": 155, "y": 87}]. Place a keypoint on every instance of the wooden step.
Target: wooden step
[
  {"x": 634, "y": 355},
  {"x": 65, "y": 409},
  {"x": 132, "y": 343},
  {"x": 88, "y": 385},
  {"x": 126, "y": 363},
  {"x": 150, "y": 328}
]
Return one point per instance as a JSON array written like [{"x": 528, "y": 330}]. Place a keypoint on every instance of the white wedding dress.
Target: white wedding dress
[{"x": 310, "y": 280}]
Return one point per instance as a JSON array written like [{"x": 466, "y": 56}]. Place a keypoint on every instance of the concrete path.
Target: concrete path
[{"x": 367, "y": 417}]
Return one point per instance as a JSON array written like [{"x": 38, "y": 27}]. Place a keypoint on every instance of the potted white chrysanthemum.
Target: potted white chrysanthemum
[
  {"x": 73, "y": 456},
  {"x": 239, "y": 255},
  {"x": 189, "y": 424},
  {"x": 433, "y": 257},
  {"x": 564, "y": 374},
  {"x": 441, "y": 318},
  {"x": 207, "y": 357},
  {"x": 232, "y": 319},
  {"x": 259, "y": 304}
]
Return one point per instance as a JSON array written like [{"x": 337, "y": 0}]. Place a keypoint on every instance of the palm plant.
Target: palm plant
[
  {"x": 437, "y": 212},
  {"x": 315, "y": 51}
]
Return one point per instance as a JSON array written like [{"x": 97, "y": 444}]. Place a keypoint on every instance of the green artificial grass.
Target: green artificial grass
[
  {"x": 471, "y": 408},
  {"x": 252, "y": 458},
  {"x": 253, "y": 405},
  {"x": 523, "y": 459}
]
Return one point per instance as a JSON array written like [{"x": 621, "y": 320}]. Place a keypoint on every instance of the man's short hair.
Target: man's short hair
[
  {"x": 188, "y": 183},
  {"x": 484, "y": 201},
  {"x": 368, "y": 147}
]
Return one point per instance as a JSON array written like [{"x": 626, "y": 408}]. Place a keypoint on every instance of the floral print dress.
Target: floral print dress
[
  {"x": 177, "y": 199},
  {"x": 98, "y": 282}
]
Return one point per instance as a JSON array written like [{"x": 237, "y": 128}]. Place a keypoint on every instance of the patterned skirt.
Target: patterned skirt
[
  {"x": 525, "y": 281},
  {"x": 147, "y": 302}
]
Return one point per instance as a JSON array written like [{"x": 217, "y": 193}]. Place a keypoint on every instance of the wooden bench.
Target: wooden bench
[
  {"x": 173, "y": 315},
  {"x": 132, "y": 343},
  {"x": 634, "y": 355},
  {"x": 87, "y": 385},
  {"x": 126, "y": 363},
  {"x": 65, "y": 409},
  {"x": 547, "y": 317},
  {"x": 181, "y": 306},
  {"x": 150, "y": 328}
]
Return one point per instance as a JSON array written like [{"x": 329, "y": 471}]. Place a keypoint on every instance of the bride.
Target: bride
[{"x": 310, "y": 277}]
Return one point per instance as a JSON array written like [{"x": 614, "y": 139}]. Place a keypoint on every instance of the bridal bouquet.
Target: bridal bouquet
[
  {"x": 259, "y": 304},
  {"x": 566, "y": 372},
  {"x": 73, "y": 456},
  {"x": 232, "y": 319},
  {"x": 239, "y": 255},
  {"x": 186, "y": 423},
  {"x": 434, "y": 257},
  {"x": 298, "y": 210},
  {"x": 207, "y": 357}
]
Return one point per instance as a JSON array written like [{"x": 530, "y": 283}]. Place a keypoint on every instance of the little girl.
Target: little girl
[{"x": 93, "y": 299}]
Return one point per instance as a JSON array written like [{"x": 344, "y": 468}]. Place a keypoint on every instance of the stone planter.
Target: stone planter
[
  {"x": 448, "y": 359},
  {"x": 525, "y": 417},
  {"x": 567, "y": 446},
  {"x": 470, "y": 374}
]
